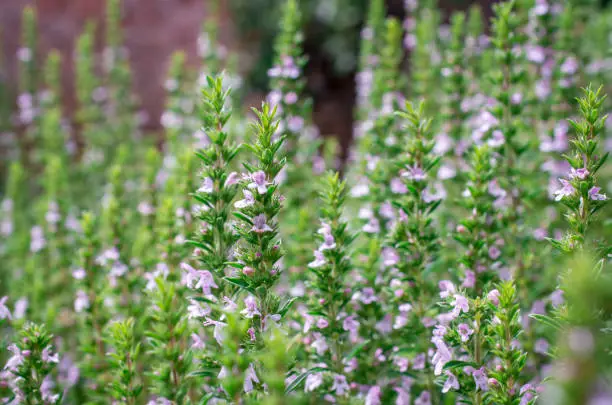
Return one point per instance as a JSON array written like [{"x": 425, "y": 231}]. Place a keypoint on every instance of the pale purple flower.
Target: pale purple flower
[
  {"x": 535, "y": 54},
  {"x": 373, "y": 226},
  {"x": 367, "y": 295},
  {"x": 47, "y": 356},
  {"x": 21, "y": 306},
  {"x": 4, "y": 311},
  {"x": 197, "y": 309},
  {"x": 319, "y": 260},
  {"x": 197, "y": 342},
  {"x": 570, "y": 66},
  {"x": 295, "y": 123},
  {"x": 581, "y": 173},
  {"x": 480, "y": 378},
  {"x": 208, "y": 186},
  {"x": 351, "y": 325},
  {"x": 291, "y": 98},
  {"x": 37, "y": 239},
  {"x": 497, "y": 139},
  {"x": 440, "y": 331},
  {"x": 313, "y": 381},
  {"x": 556, "y": 298},
  {"x": 360, "y": 190},
  {"x": 541, "y": 346},
  {"x": 446, "y": 288},
  {"x": 493, "y": 296},
  {"x": 494, "y": 252},
  {"x": 469, "y": 280},
  {"x": 390, "y": 257},
  {"x": 419, "y": 362},
  {"x": 250, "y": 377},
  {"x": 259, "y": 224},
  {"x": 15, "y": 360},
  {"x": 434, "y": 194},
  {"x": 423, "y": 399},
  {"x": 320, "y": 345},
  {"x": 218, "y": 332},
  {"x": 46, "y": 391},
  {"x": 460, "y": 304},
  {"x": 322, "y": 323},
  {"x": 398, "y": 186},
  {"x": 527, "y": 394},
  {"x": 402, "y": 364},
  {"x": 450, "y": 383},
  {"x": 566, "y": 190},
  {"x": 414, "y": 173},
  {"x": 373, "y": 396},
  {"x": 384, "y": 327},
  {"x": 259, "y": 182},
  {"x": 594, "y": 194},
  {"x": 270, "y": 320},
  {"x": 250, "y": 309},
  {"x": 248, "y": 200},
  {"x": 232, "y": 179},
  {"x": 340, "y": 385},
  {"x": 79, "y": 274},
  {"x": 441, "y": 356},
  {"x": 328, "y": 242},
  {"x": 81, "y": 302},
  {"x": 202, "y": 278},
  {"x": 464, "y": 331}
]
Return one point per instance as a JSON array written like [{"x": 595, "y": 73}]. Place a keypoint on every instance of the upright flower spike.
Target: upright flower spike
[
  {"x": 371, "y": 42},
  {"x": 581, "y": 358},
  {"x": 215, "y": 239},
  {"x": 28, "y": 53},
  {"x": 287, "y": 80},
  {"x": 53, "y": 134},
  {"x": 387, "y": 76},
  {"x": 28, "y": 102},
  {"x": 294, "y": 111},
  {"x": 507, "y": 381},
  {"x": 167, "y": 340},
  {"x": 175, "y": 118},
  {"x": 15, "y": 225},
  {"x": 53, "y": 272},
  {"x": 31, "y": 366},
  {"x": 237, "y": 378},
  {"x": 89, "y": 309},
  {"x": 424, "y": 65},
  {"x": 479, "y": 233},
  {"x": 518, "y": 161},
  {"x": 121, "y": 106},
  {"x": 89, "y": 95},
  {"x": 412, "y": 248},
  {"x": 579, "y": 190},
  {"x": 326, "y": 322},
  {"x": 383, "y": 143},
  {"x": 126, "y": 386},
  {"x": 454, "y": 80},
  {"x": 209, "y": 50},
  {"x": 53, "y": 80},
  {"x": 259, "y": 250}
]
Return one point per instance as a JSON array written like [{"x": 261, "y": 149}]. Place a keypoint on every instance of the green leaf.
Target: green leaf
[
  {"x": 286, "y": 306},
  {"x": 547, "y": 320},
  {"x": 458, "y": 363},
  {"x": 357, "y": 349},
  {"x": 237, "y": 281}
]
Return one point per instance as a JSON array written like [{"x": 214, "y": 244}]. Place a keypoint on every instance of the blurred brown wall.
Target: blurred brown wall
[{"x": 153, "y": 29}]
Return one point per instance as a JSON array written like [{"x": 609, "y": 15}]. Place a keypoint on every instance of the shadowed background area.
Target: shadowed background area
[{"x": 153, "y": 29}]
